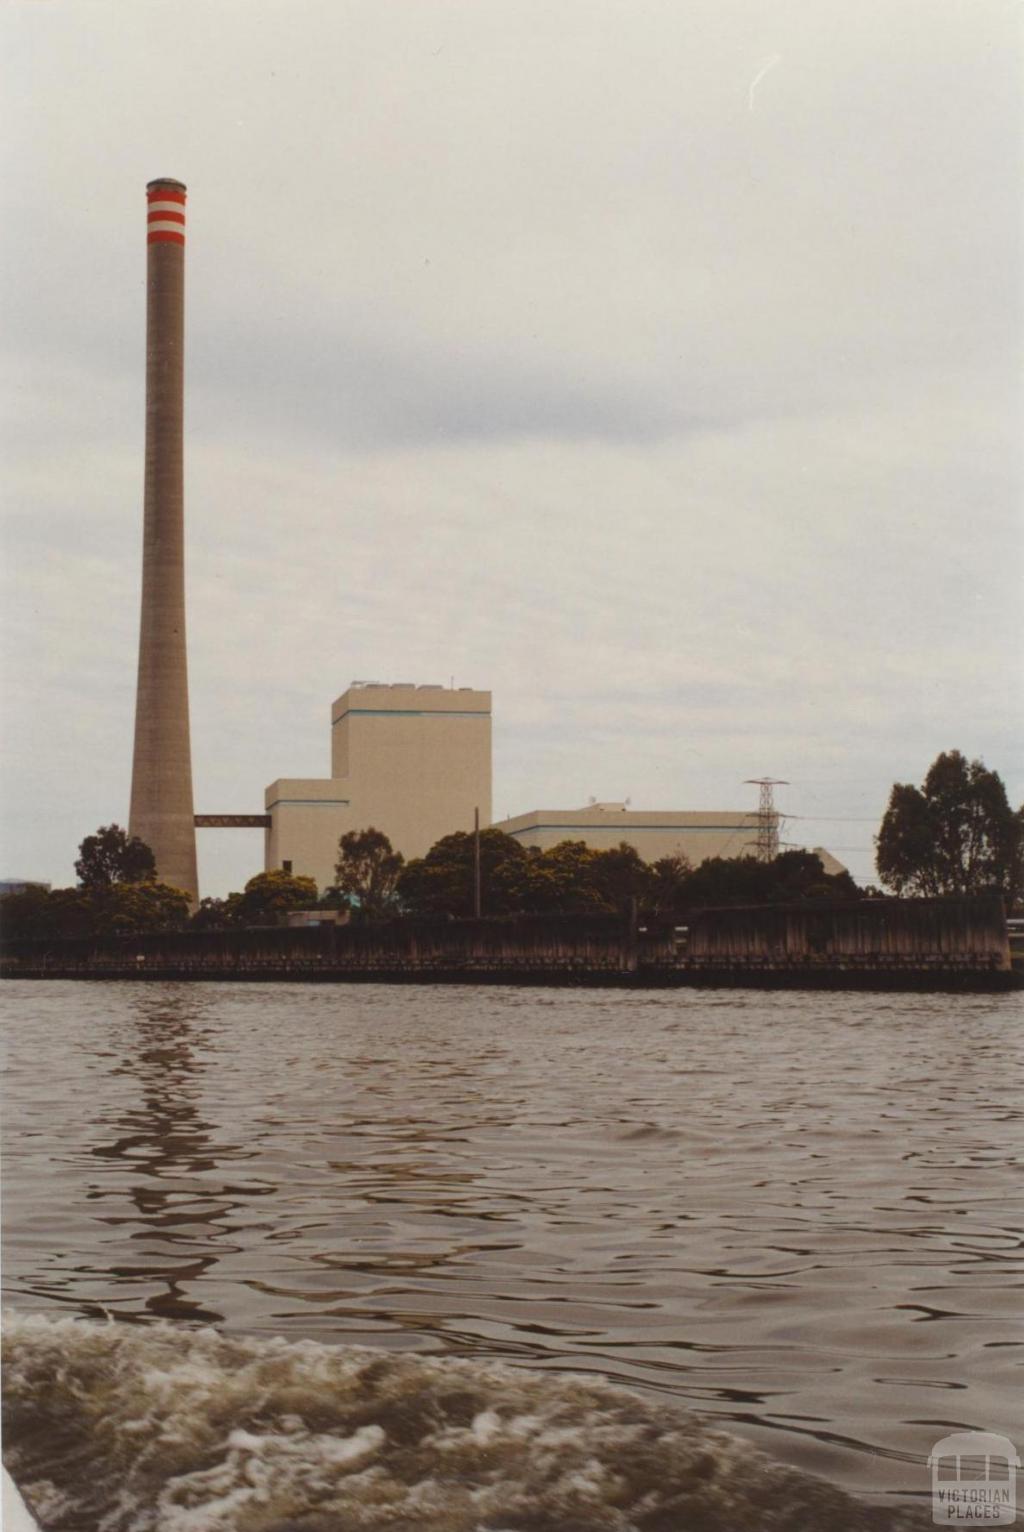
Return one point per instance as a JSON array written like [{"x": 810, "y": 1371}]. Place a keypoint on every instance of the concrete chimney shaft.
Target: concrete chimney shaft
[{"x": 161, "y": 808}]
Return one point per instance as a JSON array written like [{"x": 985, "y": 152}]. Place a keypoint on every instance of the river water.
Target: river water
[{"x": 797, "y": 1214}]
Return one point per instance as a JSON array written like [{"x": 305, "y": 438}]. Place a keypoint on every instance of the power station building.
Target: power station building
[
  {"x": 413, "y": 761},
  {"x": 654, "y": 833}
]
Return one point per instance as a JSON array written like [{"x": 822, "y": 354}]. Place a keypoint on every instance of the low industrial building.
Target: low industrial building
[
  {"x": 654, "y": 833},
  {"x": 412, "y": 761}
]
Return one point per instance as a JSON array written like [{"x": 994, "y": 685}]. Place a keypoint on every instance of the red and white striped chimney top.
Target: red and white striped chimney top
[{"x": 166, "y": 214}]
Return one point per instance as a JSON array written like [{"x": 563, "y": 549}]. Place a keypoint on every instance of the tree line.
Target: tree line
[
  {"x": 117, "y": 891},
  {"x": 570, "y": 878},
  {"x": 956, "y": 835}
]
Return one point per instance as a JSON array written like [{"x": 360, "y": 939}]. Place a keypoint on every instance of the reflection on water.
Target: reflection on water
[
  {"x": 790, "y": 1211},
  {"x": 159, "y": 1152}
]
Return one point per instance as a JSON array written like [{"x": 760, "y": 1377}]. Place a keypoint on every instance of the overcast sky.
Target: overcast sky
[{"x": 655, "y": 365}]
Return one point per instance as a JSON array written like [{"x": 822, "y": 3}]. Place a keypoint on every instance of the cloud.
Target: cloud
[{"x": 519, "y": 349}]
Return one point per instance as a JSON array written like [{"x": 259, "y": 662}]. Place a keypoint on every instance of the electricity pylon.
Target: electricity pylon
[{"x": 767, "y": 818}]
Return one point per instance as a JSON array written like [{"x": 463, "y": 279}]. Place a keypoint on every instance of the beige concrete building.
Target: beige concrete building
[
  {"x": 697, "y": 835},
  {"x": 413, "y": 761},
  {"x": 654, "y": 833}
]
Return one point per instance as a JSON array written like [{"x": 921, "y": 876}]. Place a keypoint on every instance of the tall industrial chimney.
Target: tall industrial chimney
[{"x": 161, "y": 809}]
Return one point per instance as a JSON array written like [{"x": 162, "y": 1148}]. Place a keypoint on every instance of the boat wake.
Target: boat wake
[{"x": 127, "y": 1428}]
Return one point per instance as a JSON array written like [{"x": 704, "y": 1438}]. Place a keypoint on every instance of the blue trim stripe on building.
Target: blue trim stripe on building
[
  {"x": 683, "y": 829},
  {"x": 412, "y": 712},
  {"x": 316, "y": 803}
]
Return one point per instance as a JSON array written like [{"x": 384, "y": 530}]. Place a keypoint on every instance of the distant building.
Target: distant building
[
  {"x": 413, "y": 761},
  {"x": 696, "y": 835},
  {"x": 298, "y": 919},
  {"x": 21, "y": 885}
]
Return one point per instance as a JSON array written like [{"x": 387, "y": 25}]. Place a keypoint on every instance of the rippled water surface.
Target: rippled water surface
[{"x": 798, "y": 1214}]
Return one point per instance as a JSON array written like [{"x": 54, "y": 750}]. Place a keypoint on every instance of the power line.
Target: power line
[{"x": 840, "y": 819}]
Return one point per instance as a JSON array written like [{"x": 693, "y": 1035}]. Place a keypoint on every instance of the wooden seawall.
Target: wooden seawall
[
  {"x": 875, "y": 944},
  {"x": 940, "y": 936}
]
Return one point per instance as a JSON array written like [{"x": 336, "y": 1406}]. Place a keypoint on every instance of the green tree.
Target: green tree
[
  {"x": 666, "y": 890},
  {"x": 798, "y": 874},
  {"x": 214, "y": 914},
  {"x": 558, "y": 881},
  {"x": 36, "y": 912},
  {"x": 620, "y": 875},
  {"x": 119, "y": 908},
  {"x": 955, "y": 835},
  {"x": 441, "y": 883},
  {"x": 788, "y": 878},
  {"x": 366, "y": 873},
  {"x": 113, "y": 856},
  {"x": 572, "y": 879},
  {"x": 268, "y": 895},
  {"x": 131, "y": 908}
]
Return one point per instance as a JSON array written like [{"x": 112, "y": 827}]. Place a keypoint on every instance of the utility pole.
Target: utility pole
[
  {"x": 767, "y": 818},
  {"x": 476, "y": 863}
]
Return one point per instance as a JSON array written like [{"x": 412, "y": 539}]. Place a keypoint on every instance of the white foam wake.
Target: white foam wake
[{"x": 126, "y": 1428}]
